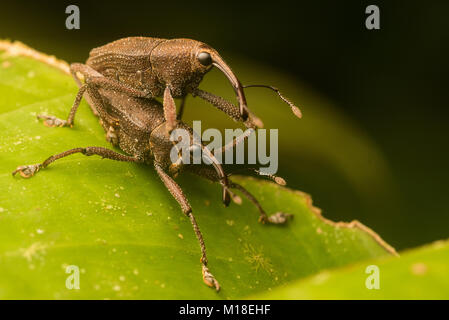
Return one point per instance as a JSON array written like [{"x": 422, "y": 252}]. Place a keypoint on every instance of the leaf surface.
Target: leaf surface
[
  {"x": 418, "y": 274},
  {"x": 119, "y": 225}
]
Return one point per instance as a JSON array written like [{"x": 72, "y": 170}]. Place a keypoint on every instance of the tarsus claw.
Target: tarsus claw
[
  {"x": 279, "y": 218},
  {"x": 27, "y": 171},
  {"x": 209, "y": 279},
  {"x": 52, "y": 121}
]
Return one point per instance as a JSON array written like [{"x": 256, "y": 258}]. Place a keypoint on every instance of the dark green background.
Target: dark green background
[{"x": 391, "y": 82}]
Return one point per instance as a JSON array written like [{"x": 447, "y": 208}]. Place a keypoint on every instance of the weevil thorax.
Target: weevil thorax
[{"x": 176, "y": 63}]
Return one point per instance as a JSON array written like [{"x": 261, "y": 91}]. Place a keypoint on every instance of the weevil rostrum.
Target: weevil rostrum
[{"x": 138, "y": 127}]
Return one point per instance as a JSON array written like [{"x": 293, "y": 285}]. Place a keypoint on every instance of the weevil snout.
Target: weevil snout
[
  {"x": 218, "y": 62},
  {"x": 182, "y": 64},
  {"x": 162, "y": 148}
]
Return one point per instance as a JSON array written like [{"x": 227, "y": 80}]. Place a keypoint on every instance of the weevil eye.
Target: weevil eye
[{"x": 204, "y": 58}]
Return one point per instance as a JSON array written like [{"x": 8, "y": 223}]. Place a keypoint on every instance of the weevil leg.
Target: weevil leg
[
  {"x": 181, "y": 108},
  {"x": 207, "y": 173},
  {"x": 236, "y": 141},
  {"x": 230, "y": 109},
  {"x": 277, "y": 218},
  {"x": 52, "y": 121},
  {"x": 179, "y": 196},
  {"x": 74, "y": 69},
  {"x": 169, "y": 110},
  {"x": 94, "y": 80},
  {"x": 30, "y": 170},
  {"x": 98, "y": 80},
  {"x": 86, "y": 72}
]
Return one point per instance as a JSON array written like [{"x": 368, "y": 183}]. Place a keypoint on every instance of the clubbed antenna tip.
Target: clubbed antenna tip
[
  {"x": 296, "y": 111},
  {"x": 279, "y": 180}
]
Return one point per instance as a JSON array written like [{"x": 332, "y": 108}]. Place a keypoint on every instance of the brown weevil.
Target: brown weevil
[
  {"x": 139, "y": 128},
  {"x": 169, "y": 68}
]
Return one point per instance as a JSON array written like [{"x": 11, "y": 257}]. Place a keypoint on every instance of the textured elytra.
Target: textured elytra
[{"x": 153, "y": 64}]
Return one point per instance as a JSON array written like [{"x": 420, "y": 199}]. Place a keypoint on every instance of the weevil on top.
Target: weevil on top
[{"x": 169, "y": 68}]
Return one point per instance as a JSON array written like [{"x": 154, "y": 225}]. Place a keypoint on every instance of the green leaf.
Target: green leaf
[
  {"x": 419, "y": 274},
  {"x": 326, "y": 152},
  {"x": 121, "y": 227}
]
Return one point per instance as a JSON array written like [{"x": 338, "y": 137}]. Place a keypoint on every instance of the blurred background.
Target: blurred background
[{"x": 373, "y": 141}]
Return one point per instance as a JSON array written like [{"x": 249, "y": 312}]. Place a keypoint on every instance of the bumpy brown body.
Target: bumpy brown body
[
  {"x": 128, "y": 124},
  {"x": 136, "y": 125},
  {"x": 154, "y": 66}
]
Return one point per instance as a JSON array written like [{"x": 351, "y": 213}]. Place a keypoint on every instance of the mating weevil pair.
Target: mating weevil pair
[
  {"x": 121, "y": 81},
  {"x": 153, "y": 67}
]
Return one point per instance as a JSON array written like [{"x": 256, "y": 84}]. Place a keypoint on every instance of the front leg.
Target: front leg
[
  {"x": 169, "y": 110},
  {"x": 230, "y": 109},
  {"x": 98, "y": 80},
  {"x": 179, "y": 196}
]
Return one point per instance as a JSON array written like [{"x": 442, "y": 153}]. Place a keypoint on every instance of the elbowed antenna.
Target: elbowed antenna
[
  {"x": 294, "y": 108},
  {"x": 238, "y": 88},
  {"x": 279, "y": 180}
]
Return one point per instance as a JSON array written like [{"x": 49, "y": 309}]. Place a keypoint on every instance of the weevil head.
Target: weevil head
[
  {"x": 177, "y": 151},
  {"x": 182, "y": 64}
]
